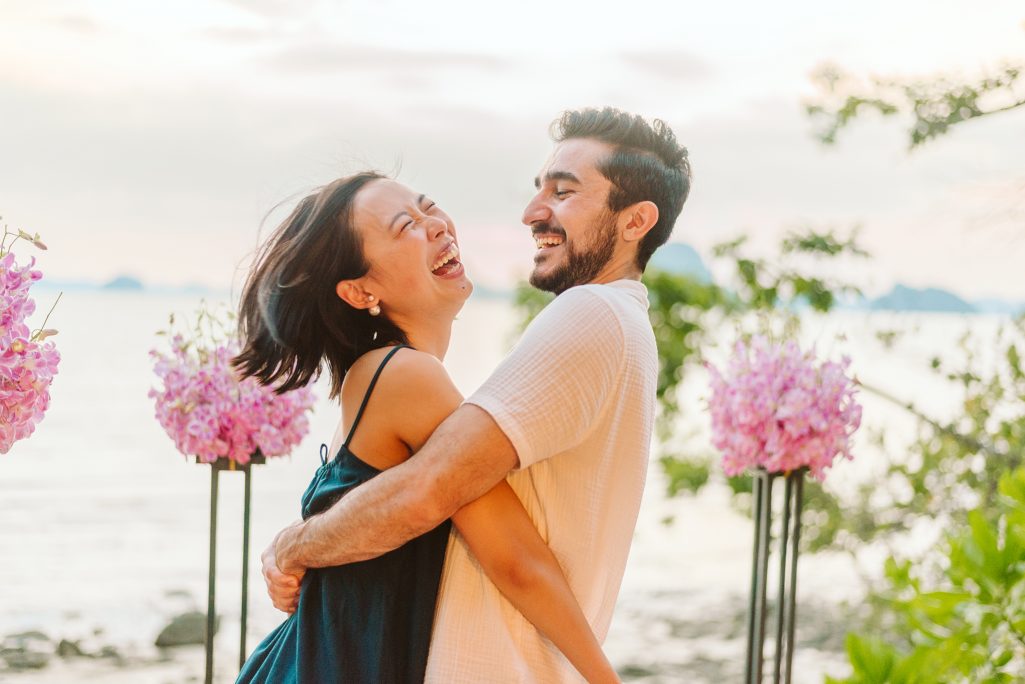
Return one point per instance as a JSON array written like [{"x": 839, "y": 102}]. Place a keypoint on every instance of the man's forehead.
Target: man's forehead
[{"x": 577, "y": 157}]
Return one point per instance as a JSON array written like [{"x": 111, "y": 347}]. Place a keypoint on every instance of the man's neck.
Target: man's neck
[{"x": 619, "y": 268}]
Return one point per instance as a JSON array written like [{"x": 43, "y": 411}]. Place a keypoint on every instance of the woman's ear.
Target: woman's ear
[
  {"x": 639, "y": 219},
  {"x": 352, "y": 293}
]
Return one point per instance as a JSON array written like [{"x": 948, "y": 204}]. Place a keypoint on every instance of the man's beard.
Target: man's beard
[{"x": 580, "y": 267}]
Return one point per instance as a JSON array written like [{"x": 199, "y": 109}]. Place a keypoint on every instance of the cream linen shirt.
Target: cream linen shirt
[{"x": 576, "y": 397}]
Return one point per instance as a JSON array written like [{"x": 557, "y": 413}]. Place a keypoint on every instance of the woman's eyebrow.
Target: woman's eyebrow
[{"x": 555, "y": 176}]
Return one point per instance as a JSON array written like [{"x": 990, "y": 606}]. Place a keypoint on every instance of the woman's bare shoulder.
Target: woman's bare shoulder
[{"x": 419, "y": 394}]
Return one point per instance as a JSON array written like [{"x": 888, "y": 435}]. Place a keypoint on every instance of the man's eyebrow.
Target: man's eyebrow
[
  {"x": 419, "y": 201},
  {"x": 556, "y": 175}
]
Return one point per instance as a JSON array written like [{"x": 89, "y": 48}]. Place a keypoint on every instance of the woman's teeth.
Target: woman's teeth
[
  {"x": 451, "y": 253},
  {"x": 548, "y": 241}
]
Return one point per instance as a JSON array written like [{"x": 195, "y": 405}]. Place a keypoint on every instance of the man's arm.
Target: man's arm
[{"x": 465, "y": 457}]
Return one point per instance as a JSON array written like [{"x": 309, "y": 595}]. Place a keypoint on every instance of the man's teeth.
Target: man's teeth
[
  {"x": 548, "y": 241},
  {"x": 451, "y": 253}
]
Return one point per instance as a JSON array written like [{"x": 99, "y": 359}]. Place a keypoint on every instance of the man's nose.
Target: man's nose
[{"x": 536, "y": 210}]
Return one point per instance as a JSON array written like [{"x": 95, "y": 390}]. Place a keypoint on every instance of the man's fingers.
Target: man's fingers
[
  {"x": 284, "y": 594},
  {"x": 275, "y": 576}
]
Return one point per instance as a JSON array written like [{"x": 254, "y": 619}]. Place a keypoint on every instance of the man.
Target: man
[{"x": 567, "y": 416}]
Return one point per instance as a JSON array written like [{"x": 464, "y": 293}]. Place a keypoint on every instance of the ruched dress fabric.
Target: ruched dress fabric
[{"x": 362, "y": 623}]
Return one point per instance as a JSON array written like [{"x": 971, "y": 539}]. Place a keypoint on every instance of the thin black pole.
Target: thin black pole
[
  {"x": 781, "y": 594},
  {"x": 759, "y": 577},
  {"x": 792, "y": 598},
  {"x": 756, "y": 506},
  {"x": 245, "y": 567},
  {"x": 764, "y": 516},
  {"x": 210, "y": 610}
]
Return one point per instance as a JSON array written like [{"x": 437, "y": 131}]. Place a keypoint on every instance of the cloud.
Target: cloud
[
  {"x": 675, "y": 65},
  {"x": 237, "y": 35},
  {"x": 272, "y": 8},
  {"x": 328, "y": 58},
  {"x": 76, "y": 22}
]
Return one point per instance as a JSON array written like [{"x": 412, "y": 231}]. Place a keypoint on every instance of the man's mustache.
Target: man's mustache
[{"x": 544, "y": 228}]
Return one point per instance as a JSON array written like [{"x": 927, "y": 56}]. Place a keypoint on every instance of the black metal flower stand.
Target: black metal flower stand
[
  {"x": 224, "y": 464},
  {"x": 786, "y": 603}
]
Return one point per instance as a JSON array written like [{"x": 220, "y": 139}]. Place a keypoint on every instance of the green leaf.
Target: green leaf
[
  {"x": 872, "y": 659},
  {"x": 685, "y": 474}
]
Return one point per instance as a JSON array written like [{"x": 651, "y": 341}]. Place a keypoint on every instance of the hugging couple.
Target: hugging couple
[{"x": 476, "y": 540}]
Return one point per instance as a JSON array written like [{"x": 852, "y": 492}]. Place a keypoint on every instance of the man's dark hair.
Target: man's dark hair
[{"x": 647, "y": 164}]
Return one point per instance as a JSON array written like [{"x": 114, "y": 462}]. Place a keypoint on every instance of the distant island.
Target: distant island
[
  {"x": 681, "y": 259},
  {"x": 127, "y": 283},
  {"x": 123, "y": 283},
  {"x": 904, "y": 298}
]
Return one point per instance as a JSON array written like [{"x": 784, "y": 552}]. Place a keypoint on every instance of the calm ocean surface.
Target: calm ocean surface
[{"x": 103, "y": 524}]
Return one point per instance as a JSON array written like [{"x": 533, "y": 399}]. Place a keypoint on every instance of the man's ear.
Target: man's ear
[
  {"x": 637, "y": 219},
  {"x": 353, "y": 293}
]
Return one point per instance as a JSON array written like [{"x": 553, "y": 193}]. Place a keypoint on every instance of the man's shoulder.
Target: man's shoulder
[{"x": 609, "y": 296}]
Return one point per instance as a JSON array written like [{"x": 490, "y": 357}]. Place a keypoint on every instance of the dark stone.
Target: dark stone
[
  {"x": 24, "y": 659},
  {"x": 30, "y": 650},
  {"x": 186, "y": 629},
  {"x": 69, "y": 649}
]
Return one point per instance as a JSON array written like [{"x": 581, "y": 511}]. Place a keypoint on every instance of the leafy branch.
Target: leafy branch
[{"x": 934, "y": 105}]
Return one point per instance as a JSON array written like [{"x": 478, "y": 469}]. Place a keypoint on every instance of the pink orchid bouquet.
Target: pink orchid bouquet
[
  {"x": 210, "y": 413},
  {"x": 27, "y": 362},
  {"x": 777, "y": 408}
]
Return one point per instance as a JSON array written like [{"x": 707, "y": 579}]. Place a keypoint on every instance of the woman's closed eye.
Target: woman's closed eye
[{"x": 413, "y": 220}]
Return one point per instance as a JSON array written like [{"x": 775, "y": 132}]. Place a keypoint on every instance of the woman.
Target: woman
[{"x": 365, "y": 276}]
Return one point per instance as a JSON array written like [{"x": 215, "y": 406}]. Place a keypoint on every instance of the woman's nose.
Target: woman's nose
[{"x": 436, "y": 227}]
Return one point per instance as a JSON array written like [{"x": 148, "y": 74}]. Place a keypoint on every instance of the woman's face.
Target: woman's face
[{"x": 411, "y": 246}]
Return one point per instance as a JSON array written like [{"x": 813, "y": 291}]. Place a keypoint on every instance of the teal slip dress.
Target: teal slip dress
[{"x": 362, "y": 623}]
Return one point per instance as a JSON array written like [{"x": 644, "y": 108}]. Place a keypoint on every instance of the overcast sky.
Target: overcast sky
[{"x": 151, "y": 138}]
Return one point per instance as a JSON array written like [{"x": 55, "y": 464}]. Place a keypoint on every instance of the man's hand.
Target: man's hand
[
  {"x": 283, "y": 588},
  {"x": 285, "y": 550}
]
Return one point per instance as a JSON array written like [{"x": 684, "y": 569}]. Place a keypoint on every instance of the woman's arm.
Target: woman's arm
[
  {"x": 503, "y": 538},
  {"x": 496, "y": 526}
]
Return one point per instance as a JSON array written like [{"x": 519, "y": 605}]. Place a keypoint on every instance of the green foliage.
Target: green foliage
[
  {"x": 969, "y": 624},
  {"x": 878, "y": 662},
  {"x": 685, "y": 474},
  {"x": 954, "y": 466},
  {"x": 934, "y": 105}
]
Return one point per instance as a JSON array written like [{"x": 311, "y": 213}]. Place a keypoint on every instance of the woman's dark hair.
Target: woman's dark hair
[
  {"x": 290, "y": 317},
  {"x": 647, "y": 163}
]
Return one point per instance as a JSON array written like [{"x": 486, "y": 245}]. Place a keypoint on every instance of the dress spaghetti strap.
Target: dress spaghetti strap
[{"x": 370, "y": 388}]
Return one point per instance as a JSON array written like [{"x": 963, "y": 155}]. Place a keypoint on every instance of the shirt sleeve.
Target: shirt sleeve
[{"x": 552, "y": 388}]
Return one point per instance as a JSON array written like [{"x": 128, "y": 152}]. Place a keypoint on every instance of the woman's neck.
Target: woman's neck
[{"x": 429, "y": 336}]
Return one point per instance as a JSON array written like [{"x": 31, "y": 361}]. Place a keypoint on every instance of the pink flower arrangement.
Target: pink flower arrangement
[
  {"x": 27, "y": 362},
  {"x": 776, "y": 408},
  {"x": 209, "y": 413}
]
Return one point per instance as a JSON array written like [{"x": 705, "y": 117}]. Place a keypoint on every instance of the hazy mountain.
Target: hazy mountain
[
  {"x": 904, "y": 298},
  {"x": 123, "y": 282},
  {"x": 676, "y": 257}
]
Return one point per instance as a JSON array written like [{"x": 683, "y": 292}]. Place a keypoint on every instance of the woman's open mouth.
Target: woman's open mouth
[{"x": 447, "y": 264}]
